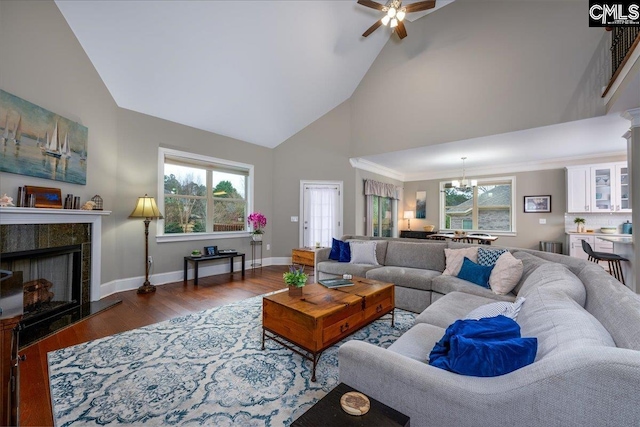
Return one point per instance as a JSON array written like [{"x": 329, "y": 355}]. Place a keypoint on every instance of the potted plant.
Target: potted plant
[
  {"x": 196, "y": 253},
  {"x": 257, "y": 222},
  {"x": 580, "y": 224},
  {"x": 295, "y": 278}
]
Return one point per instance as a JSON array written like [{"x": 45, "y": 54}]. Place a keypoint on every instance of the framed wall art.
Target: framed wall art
[
  {"x": 37, "y": 142},
  {"x": 534, "y": 204},
  {"x": 421, "y": 204}
]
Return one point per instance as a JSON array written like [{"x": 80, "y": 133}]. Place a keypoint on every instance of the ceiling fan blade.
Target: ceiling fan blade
[
  {"x": 372, "y": 28},
  {"x": 421, "y": 5},
  {"x": 401, "y": 30},
  {"x": 372, "y": 4}
]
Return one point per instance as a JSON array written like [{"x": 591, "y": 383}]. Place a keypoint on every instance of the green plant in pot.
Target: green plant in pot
[
  {"x": 196, "y": 253},
  {"x": 579, "y": 223},
  {"x": 295, "y": 278}
]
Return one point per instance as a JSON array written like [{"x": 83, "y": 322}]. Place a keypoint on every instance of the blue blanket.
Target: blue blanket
[{"x": 486, "y": 347}]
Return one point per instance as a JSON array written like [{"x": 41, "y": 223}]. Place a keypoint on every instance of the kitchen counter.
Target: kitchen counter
[
  {"x": 598, "y": 234},
  {"x": 627, "y": 240}
]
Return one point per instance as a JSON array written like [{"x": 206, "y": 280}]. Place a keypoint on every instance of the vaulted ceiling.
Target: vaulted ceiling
[{"x": 257, "y": 71}]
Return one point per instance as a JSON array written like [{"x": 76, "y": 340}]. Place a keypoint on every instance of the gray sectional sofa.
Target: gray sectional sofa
[{"x": 587, "y": 368}]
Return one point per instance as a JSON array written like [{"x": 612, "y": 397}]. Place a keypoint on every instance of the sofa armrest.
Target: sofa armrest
[
  {"x": 570, "y": 389},
  {"x": 322, "y": 254}
]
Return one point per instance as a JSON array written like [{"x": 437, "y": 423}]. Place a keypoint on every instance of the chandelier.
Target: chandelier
[{"x": 464, "y": 183}]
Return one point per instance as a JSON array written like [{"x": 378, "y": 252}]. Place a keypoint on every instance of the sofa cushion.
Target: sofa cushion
[
  {"x": 529, "y": 264},
  {"x": 505, "y": 274},
  {"x": 446, "y": 284},
  {"x": 403, "y": 276},
  {"x": 557, "y": 277},
  {"x": 418, "y": 341},
  {"x": 455, "y": 257},
  {"x": 500, "y": 308},
  {"x": 335, "y": 249},
  {"x": 363, "y": 252},
  {"x": 475, "y": 273},
  {"x": 381, "y": 250},
  {"x": 488, "y": 257},
  {"x": 560, "y": 323},
  {"x": 345, "y": 252},
  {"x": 448, "y": 308},
  {"x": 340, "y": 268},
  {"x": 429, "y": 256}
]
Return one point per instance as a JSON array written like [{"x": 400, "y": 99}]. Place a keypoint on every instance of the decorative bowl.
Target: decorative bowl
[
  {"x": 609, "y": 230},
  {"x": 428, "y": 227}
]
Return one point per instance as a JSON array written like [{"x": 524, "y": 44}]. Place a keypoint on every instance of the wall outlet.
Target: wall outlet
[
  {"x": 268, "y": 246},
  {"x": 542, "y": 220},
  {"x": 294, "y": 219}
]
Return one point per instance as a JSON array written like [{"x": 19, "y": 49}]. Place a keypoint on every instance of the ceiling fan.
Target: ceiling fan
[{"x": 394, "y": 14}]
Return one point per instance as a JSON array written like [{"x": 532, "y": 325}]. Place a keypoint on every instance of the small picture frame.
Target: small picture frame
[
  {"x": 537, "y": 204},
  {"x": 210, "y": 250}
]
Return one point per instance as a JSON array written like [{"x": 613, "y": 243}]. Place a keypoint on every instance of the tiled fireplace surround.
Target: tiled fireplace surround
[{"x": 23, "y": 229}]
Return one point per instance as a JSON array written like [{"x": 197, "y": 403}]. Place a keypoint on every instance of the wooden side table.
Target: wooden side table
[
  {"x": 306, "y": 257},
  {"x": 328, "y": 412}
]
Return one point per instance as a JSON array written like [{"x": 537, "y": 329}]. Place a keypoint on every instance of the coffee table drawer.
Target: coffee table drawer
[
  {"x": 344, "y": 327},
  {"x": 376, "y": 298},
  {"x": 374, "y": 310}
]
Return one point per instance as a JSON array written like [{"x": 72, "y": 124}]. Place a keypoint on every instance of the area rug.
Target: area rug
[{"x": 206, "y": 368}]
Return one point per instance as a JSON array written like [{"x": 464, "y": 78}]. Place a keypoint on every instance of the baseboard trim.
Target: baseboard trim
[{"x": 160, "y": 279}]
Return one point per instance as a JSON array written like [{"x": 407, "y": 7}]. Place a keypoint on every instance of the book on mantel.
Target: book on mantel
[{"x": 335, "y": 283}]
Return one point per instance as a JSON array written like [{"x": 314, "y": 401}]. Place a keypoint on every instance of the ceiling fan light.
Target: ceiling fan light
[
  {"x": 385, "y": 20},
  {"x": 394, "y": 23},
  {"x": 392, "y": 12},
  {"x": 401, "y": 14}
]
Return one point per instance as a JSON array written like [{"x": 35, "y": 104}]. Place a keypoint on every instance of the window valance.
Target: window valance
[{"x": 377, "y": 188}]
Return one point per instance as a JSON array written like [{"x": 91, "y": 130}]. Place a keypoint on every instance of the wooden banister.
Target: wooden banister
[{"x": 624, "y": 40}]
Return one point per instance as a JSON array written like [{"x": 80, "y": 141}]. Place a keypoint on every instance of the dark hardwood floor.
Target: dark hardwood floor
[{"x": 170, "y": 300}]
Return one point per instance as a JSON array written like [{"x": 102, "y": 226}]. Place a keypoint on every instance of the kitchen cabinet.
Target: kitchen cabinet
[{"x": 598, "y": 188}]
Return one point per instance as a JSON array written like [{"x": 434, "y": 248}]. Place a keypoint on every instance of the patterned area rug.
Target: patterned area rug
[{"x": 202, "y": 369}]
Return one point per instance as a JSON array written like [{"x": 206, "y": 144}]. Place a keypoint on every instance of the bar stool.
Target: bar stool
[{"x": 615, "y": 268}]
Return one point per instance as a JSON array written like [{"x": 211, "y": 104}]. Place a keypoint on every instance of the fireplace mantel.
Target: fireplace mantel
[{"x": 23, "y": 216}]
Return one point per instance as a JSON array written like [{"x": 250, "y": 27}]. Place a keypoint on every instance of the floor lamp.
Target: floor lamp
[{"x": 147, "y": 209}]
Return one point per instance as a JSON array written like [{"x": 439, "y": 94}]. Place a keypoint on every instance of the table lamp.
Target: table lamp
[
  {"x": 408, "y": 215},
  {"x": 147, "y": 209}
]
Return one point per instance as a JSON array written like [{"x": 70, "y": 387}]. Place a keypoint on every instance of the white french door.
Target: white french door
[{"x": 320, "y": 212}]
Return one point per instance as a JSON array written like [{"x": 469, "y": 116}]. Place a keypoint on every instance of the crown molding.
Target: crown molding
[
  {"x": 367, "y": 165},
  {"x": 633, "y": 116},
  {"x": 558, "y": 163}
]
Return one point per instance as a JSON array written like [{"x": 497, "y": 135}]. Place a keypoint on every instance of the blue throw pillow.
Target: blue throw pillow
[
  {"x": 484, "y": 348},
  {"x": 345, "y": 252},
  {"x": 475, "y": 273},
  {"x": 335, "y": 249},
  {"x": 488, "y": 257}
]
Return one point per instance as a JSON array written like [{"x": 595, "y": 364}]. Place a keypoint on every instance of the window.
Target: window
[
  {"x": 487, "y": 207},
  {"x": 202, "y": 195},
  {"x": 383, "y": 216}
]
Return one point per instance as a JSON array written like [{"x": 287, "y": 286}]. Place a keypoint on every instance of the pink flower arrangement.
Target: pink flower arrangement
[{"x": 257, "y": 221}]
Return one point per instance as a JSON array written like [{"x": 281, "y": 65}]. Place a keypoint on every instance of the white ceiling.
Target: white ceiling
[
  {"x": 257, "y": 71},
  {"x": 260, "y": 71}
]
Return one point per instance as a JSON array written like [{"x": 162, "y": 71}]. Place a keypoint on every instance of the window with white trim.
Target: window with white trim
[
  {"x": 487, "y": 207},
  {"x": 203, "y": 195}
]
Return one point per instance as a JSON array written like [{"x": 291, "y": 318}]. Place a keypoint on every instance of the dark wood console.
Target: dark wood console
[{"x": 414, "y": 234}]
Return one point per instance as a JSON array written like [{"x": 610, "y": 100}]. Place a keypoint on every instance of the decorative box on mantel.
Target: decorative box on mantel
[{"x": 24, "y": 229}]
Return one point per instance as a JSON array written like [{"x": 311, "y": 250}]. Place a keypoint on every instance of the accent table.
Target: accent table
[
  {"x": 327, "y": 412},
  {"x": 197, "y": 260}
]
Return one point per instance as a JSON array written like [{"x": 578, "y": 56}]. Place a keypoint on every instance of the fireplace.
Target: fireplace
[{"x": 52, "y": 280}]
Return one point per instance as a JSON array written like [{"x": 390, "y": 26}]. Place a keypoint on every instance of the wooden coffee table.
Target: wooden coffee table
[{"x": 321, "y": 317}]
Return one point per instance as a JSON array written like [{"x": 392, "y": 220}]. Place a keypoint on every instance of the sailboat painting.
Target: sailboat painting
[{"x": 60, "y": 156}]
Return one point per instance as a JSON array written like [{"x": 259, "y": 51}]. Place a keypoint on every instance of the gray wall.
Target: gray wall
[
  {"x": 475, "y": 68},
  {"x": 44, "y": 64},
  {"x": 318, "y": 152},
  {"x": 529, "y": 231}
]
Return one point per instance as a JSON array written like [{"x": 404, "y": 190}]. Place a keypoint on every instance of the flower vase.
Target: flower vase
[
  {"x": 295, "y": 291},
  {"x": 256, "y": 237}
]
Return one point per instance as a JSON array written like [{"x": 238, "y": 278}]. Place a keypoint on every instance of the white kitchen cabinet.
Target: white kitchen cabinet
[
  {"x": 578, "y": 189},
  {"x": 575, "y": 245},
  {"x": 598, "y": 188}
]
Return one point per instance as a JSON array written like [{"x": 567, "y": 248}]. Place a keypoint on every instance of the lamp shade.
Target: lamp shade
[
  {"x": 408, "y": 215},
  {"x": 146, "y": 208}
]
